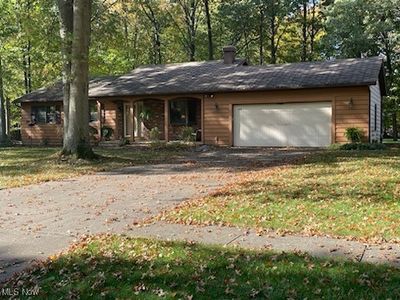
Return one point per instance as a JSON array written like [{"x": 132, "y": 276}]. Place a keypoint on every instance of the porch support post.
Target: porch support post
[
  {"x": 202, "y": 119},
  {"x": 132, "y": 114},
  {"x": 99, "y": 118},
  {"x": 166, "y": 120}
]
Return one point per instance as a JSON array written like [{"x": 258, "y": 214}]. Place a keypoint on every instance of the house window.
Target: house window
[
  {"x": 93, "y": 112},
  {"x": 375, "y": 116},
  {"x": 47, "y": 114},
  {"x": 183, "y": 112}
]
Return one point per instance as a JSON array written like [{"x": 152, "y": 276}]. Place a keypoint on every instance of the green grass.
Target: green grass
[
  {"x": 115, "y": 267},
  {"x": 28, "y": 165},
  {"x": 390, "y": 141},
  {"x": 352, "y": 193}
]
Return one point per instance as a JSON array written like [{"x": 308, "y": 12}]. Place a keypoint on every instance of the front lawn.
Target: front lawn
[
  {"x": 115, "y": 267},
  {"x": 355, "y": 194},
  {"x": 27, "y": 165}
]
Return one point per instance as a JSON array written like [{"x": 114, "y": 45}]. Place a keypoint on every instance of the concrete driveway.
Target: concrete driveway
[{"x": 39, "y": 220}]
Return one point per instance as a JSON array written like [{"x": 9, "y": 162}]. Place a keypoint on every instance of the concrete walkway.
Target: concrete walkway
[{"x": 316, "y": 246}]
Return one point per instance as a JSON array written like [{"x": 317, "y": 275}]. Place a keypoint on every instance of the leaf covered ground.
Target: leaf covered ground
[
  {"x": 339, "y": 193},
  {"x": 118, "y": 267},
  {"x": 21, "y": 166}
]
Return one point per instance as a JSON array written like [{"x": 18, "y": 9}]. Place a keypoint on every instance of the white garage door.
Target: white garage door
[{"x": 281, "y": 125}]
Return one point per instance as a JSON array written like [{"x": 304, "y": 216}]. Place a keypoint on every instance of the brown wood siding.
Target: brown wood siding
[
  {"x": 357, "y": 116},
  {"x": 217, "y": 116},
  {"x": 39, "y": 134},
  {"x": 218, "y": 110},
  {"x": 110, "y": 117}
]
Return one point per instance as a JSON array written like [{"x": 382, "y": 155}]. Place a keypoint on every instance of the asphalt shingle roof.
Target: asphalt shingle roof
[{"x": 215, "y": 76}]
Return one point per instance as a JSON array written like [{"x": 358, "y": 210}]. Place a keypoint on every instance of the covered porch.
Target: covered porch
[{"x": 144, "y": 119}]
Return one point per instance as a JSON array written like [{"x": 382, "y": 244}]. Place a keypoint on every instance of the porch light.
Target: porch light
[{"x": 350, "y": 103}]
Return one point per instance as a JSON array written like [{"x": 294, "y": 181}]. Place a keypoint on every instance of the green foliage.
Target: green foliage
[
  {"x": 145, "y": 114},
  {"x": 124, "y": 142},
  {"x": 15, "y": 134},
  {"x": 107, "y": 132},
  {"x": 154, "y": 134},
  {"x": 358, "y": 146},
  {"x": 354, "y": 135},
  {"x": 188, "y": 134}
]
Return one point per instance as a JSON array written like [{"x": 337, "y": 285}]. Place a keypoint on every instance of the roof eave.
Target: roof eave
[{"x": 366, "y": 84}]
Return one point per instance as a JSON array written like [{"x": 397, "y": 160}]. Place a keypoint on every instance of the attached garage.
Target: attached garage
[{"x": 283, "y": 125}]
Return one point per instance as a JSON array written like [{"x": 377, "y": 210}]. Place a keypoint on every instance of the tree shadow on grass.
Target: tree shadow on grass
[{"x": 147, "y": 269}]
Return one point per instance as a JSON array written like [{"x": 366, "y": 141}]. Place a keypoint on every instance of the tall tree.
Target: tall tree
[
  {"x": 76, "y": 140},
  {"x": 189, "y": 9},
  {"x": 304, "y": 31},
  {"x": 358, "y": 28},
  {"x": 66, "y": 30},
  {"x": 209, "y": 29},
  {"x": 148, "y": 8},
  {"x": 3, "y": 134},
  {"x": 278, "y": 12}
]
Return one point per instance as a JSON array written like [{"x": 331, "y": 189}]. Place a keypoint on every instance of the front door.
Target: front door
[{"x": 128, "y": 120}]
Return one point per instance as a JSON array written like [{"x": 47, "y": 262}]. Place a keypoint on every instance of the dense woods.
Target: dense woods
[{"x": 126, "y": 34}]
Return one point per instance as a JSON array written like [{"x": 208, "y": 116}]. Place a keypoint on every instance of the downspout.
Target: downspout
[
  {"x": 369, "y": 114},
  {"x": 202, "y": 120}
]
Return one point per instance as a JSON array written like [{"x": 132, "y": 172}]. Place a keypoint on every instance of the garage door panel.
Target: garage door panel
[{"x": 301, "y": 124}]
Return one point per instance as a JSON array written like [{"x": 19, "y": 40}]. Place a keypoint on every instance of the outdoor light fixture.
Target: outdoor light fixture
[
  {"x": 211, "y": 96},
  {"x": 350, "y": 103}
]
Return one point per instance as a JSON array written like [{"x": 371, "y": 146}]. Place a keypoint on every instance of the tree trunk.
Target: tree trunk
[
  {"x": 26, "y": 81},
  {"x": 156, "y": 56},
  {"x": 304, "y": 29},
  {"x": 313, "y": 30},
  {"x": 209, "y": 30},
  {"x": 394, "y": 122},
  {"x": 189, "y": 9},
  {"x": 77, "y": 141},
  {"x": 261, "y": 29},
  {"x": 66, "y": 28},
  {"x": 3, "y": 135},
  {"x": 8, "y": 116},
  {"x": 29, "y": 64},
  {"x": 273, "y": 37}
]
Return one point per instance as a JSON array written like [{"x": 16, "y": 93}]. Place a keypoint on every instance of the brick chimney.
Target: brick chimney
[{"x": 229, "y": 54}]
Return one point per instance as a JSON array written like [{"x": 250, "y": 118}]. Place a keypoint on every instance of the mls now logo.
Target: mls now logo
[{"x": 20, "y": 291}]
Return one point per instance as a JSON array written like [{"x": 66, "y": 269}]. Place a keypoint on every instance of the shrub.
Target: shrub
[
  {"x": 124, "y": 142},
  {"x": 358, "y": 146},
  {"x": 154, "y": 134},
  {"x": 15, "y": 134},
  {"x": 354, "y": 135},
  {"x": 145, "y": 114},
  {"x": 45, "y": 142},
  {"x": 106, "y": 132},
  {"x": 188, "y": 134}
]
